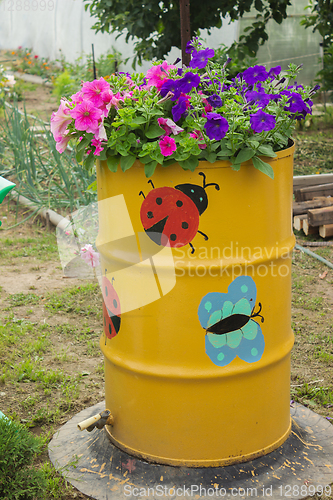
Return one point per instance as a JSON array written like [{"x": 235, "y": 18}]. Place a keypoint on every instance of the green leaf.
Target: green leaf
[
  {"x": 263, "y": 167},
  {"x": 84, "y": 143},
  {"x": 189, "y": 164},
  {"x": 224, "y": 152},
  {"x": 245, "y": 155},
  {"x": 126, "y": 162},
  {"x": 166, "y": 163},
  {"x": 154, "y": 131},
  {"x": 138, "y": 120},
  {"x": 89, "y": 161},
  {"x": 113, "y": 162},
  {"x": 266, "y": 150},
  {"x": 150, "y": 168},
  {"x": 235, "y": 166},
  {"x": 79, "y": 156},
  {"x": 211, "y": 157}
]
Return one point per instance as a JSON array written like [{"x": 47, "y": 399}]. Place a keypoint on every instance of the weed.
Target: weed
[
  {"x": 18, "y": 447},
  {"x": 83, "y": 300},
  {"x": 23, "y": 299}
]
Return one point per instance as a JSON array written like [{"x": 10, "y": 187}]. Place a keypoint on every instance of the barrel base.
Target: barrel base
[
  {"x": 198, "y": 463},
  {"x": 300, "y": 467}
]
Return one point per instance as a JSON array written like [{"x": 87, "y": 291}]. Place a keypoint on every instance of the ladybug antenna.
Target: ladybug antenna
[
  {"x": 105, "y": 271},
  {"x": 151, "y": 182},
  {"x": 217, "y": 187},
  {"x": 113, "y": 279}
]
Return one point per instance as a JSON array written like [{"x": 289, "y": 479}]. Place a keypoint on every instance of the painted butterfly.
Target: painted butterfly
[{"x": 228, "y": 319}]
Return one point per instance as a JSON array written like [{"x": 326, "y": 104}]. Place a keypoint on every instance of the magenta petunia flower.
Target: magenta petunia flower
[
  {"x": 167, "y": 145},
  {"x": 261, "y": 121},
  {"x": 94, "y": 91},
  {"x": 197, "y": 134},
  {"x": 98, "y": 145},
  {"x": 255, "y": 74},
  {"x": 60, "y": 119},
  {"x": 86, "y": 116},
  {"x": 216, "y": 126},
  {"x": 158, "y": 74}
]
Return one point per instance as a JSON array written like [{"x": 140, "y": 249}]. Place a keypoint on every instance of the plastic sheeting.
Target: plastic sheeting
[{"x": 52, "y": 27}]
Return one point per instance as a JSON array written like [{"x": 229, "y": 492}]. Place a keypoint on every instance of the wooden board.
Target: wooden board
[
  {"x": 309, "y": 229},
  {"x": 326, "y": 231},
  {"x": 303, "y": 206},
  {"x": 320, "y": 216},
  {"x": 301, "y": 181},
  {"x": 298, "y": 221},
  {"x": 310, "y": 192}
]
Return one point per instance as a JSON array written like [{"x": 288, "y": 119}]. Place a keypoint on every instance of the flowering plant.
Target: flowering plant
[{"x": 184, "y": 114}]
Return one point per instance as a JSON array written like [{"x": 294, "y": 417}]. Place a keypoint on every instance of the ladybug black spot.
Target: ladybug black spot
[
  {"x": 106, "y": 291},
  {"x": 173, "y": 237},
  {"x": 110, "y": 331},
  {"x": 184, "y": 225},
  {"x": 115, "y": 303},
  {"x": 150, "y": 215},
  {"x": 159, "y": 201},
  {"x": 179, "y": 203}
]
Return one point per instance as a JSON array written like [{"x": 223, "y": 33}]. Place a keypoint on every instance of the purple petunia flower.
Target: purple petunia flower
[
  {"x": 216, "y": 126},
  {"x": 200, "y": 59},
  {"x": 255, "y": 74},
  {"x": 170, "y": 86},
  {"x": 179, "y": 109},
  {"x": 261, "y": 98},
  {"x": 274, "y": 72},
  {"x": 189, "y": 81},
  {"x": 215, "y": 101},
  {"x": 295, "y": 104},
  {"x": 260, "y": 121}
]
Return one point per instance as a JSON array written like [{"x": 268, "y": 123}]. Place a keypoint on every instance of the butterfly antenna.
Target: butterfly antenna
[
  {"x": 257, "y": 314},
  {"x": 217, "y": 187}
]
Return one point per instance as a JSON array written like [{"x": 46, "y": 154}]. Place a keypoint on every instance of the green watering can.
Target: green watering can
[{"x": 5, "y": 187}]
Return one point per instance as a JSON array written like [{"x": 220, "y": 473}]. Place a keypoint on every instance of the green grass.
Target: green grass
[
  {"x": 43, "y": 247},
  {"x": 83, "y": 300}
]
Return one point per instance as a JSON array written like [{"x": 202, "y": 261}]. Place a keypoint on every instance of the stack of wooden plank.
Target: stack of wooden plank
[{"x": 313, "y": 205}]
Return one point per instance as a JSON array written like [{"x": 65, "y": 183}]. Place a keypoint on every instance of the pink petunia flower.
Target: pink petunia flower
[
  {"x": 169, "y": 126},
  {"x": 77, "y": 98},
  {"x": 62, "y": 141},
  {"x": 60, "y": 119},
  {"x": 89, "y": 255},
  {"x": 158, "y": 74},
  {"x": 167, "y": 145},
  {"x": 86, "y": 116},
  {"x": 98, "y": 147},
  {"x": 197, "y": 134},
  {"x": 93, "y": 91}
]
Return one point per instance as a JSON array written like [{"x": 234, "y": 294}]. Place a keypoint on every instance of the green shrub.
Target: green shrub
[{"x": 19, "y": 480}]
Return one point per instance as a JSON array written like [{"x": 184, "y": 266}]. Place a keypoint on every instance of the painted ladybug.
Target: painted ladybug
[
  {"x": 111, "y": 309},
  {"x": 170, "y": 216}
]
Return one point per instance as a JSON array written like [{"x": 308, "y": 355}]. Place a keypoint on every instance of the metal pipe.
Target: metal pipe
[
  {"x": 99, "y": 421},
  {"x": 316, "y": 256}
]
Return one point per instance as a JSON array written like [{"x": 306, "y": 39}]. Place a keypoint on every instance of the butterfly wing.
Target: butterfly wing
[{"x": 245, "y": 341}]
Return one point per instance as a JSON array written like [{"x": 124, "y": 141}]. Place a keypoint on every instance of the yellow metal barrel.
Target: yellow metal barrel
[{"x": 197, "y": 339}]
